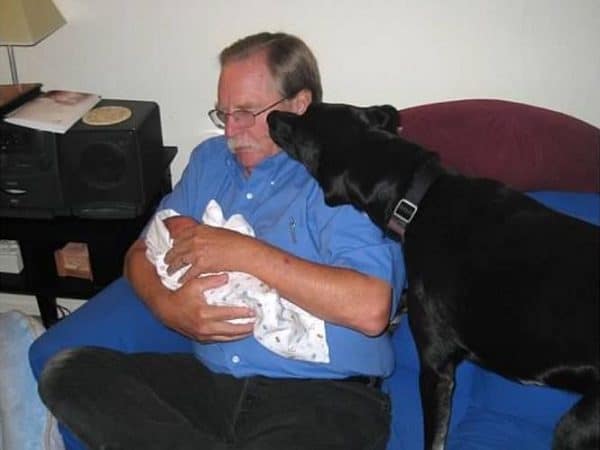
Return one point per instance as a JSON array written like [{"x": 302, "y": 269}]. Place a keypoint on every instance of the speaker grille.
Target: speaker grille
[{"x": 103, "y": 166}]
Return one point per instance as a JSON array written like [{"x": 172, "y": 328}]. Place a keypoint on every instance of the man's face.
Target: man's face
[{"x": 247, "y": 84}]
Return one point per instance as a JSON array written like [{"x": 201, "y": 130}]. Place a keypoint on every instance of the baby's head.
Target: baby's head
[{"x": 178, "y": 223}]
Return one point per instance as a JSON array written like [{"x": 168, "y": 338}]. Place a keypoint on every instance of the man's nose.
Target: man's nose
[{"x": 231, "y": 127}]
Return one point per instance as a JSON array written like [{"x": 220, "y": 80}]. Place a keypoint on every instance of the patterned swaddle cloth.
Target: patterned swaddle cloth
[{"x": 280, "y": 325}]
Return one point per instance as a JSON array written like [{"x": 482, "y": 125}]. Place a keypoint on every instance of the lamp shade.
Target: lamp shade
[{"x": 27, "y": 22}]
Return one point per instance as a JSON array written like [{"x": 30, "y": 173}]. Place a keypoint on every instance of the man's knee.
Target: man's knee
[
  {"x": 52, "y": 375},
  {"x": 74, "y": 367}
]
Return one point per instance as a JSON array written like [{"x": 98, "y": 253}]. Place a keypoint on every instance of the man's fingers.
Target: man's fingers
[
  {"x": 223, "y": 315},
  {"x": 192, "y": 272},
  {"x": 175, "y": 260},
  {"x": 220, "y": 338},
  {"x": 201, "y": 284},
  {"x": 227, "y": 331},
  {"x": 235, "y": 312}
]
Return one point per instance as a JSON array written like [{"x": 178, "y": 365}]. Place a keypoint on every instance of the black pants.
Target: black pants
[{"x": 113, "y": 400}]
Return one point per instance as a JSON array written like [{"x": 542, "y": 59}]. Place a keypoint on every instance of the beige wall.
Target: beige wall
[{"x": 404, "y": 52}]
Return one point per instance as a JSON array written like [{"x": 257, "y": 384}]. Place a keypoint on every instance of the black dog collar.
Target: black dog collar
[{"x": 405, "y": 210}]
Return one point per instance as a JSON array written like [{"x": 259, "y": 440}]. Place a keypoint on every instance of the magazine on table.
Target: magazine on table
[{"x": 54, "y": 111}]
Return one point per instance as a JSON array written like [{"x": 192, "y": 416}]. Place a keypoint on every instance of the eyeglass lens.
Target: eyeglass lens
[{"x": 241, "y": 117}]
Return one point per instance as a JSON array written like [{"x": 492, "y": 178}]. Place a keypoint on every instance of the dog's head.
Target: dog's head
[{"x": 333, "y": 142}]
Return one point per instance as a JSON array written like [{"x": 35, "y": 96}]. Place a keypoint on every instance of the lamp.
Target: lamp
[{"x": 26, "y": 22}]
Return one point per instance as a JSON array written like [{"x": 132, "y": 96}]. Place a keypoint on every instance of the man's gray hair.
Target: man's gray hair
[{"x": 290, "y": 61}]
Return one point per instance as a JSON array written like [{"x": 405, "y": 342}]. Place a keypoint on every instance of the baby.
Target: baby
[
  {"x": 280, "y": 326},
  {"x": 229, "y": 294}
]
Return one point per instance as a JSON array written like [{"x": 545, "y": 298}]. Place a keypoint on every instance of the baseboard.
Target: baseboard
[{"x": 28, "y": 303}]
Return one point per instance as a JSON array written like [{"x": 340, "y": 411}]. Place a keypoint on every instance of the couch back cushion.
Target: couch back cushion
[{"x": 526, "y": 147}]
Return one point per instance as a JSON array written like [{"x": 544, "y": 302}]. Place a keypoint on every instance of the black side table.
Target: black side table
[{"x": 107, "y": 241}]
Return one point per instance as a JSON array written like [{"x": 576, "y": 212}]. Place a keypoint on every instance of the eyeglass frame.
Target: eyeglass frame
[{"x": 213, "y": 114}]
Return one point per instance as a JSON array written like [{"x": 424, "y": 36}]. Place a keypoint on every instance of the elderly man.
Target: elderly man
[{"x": 184, "y": 373}]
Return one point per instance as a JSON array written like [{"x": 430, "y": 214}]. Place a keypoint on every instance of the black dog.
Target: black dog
[{"x": 493, "y": 276}]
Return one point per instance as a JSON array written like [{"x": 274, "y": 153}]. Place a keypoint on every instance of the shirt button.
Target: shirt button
[
  {"x": 235, "y": 359},
  {"x": 249, "y": 195}
]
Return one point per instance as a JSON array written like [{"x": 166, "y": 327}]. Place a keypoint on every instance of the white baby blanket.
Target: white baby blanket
[{"x": 280, "y": 325}]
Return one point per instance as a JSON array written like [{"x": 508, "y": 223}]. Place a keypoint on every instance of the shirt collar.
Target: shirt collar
[{"x": 270, "y": 166}]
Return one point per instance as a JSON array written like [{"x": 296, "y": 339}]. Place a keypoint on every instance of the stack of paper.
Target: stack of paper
[{"x": 54, "y": 111}]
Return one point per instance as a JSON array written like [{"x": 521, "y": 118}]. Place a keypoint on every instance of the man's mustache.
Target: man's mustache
[{"x": 236, "y": 142}]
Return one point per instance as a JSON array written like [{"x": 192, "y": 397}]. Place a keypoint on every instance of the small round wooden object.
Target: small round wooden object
[{"x": 106, "y": 115}]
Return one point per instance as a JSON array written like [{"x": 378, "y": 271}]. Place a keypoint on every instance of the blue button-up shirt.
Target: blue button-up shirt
[{"x": 286, "y": 208}]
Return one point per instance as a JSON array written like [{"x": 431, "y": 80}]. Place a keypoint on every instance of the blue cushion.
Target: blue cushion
[
  {"x": 582, "y": 205},
  {"x": 535, "y": 404},
  {"x": 481, "y": 429}
]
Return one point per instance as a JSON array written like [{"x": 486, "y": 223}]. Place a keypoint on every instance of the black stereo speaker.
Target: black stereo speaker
[
  {"x": 114, "y": 171},
  {"x": 30, "y": 183}
]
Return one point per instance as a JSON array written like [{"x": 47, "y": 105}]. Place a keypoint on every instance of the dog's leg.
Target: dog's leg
[
  {"x": 436, "y": 386},
  {"x": 439, "y": 355},
  {"x": 579, "y": 428}
]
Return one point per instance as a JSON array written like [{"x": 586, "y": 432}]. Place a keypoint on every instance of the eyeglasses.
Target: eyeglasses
[{"x": 241, "y": 117}]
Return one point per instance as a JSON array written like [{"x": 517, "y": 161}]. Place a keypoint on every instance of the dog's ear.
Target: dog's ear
[{"x": 384, "y": 117}]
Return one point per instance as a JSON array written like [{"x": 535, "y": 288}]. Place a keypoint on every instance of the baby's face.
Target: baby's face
[{"x": 178, "y": 223}]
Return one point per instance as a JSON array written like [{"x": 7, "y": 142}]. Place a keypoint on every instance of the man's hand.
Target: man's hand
[
  {"x": 207, "y": 249},
  {"x": 189, "y": 314}
]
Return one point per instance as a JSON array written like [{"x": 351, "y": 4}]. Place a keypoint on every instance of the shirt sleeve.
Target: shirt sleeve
[{"x": 348, "y": 238}]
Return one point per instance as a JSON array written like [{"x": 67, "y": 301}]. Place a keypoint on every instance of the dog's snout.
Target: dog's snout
[{"x": 279, "y": 129}]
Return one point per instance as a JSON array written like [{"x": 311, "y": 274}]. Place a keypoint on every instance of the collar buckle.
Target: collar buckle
[{"x": 405, "y": 211}]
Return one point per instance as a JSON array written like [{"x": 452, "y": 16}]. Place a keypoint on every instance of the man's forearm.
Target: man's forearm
[
  {"x": 142, "y": 276},
  {"x": 338, "y": 295},
  {"x": 342, "y": 296}
]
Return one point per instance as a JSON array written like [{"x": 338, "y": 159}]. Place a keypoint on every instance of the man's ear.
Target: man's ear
[{"x": 301, "y": 101}]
